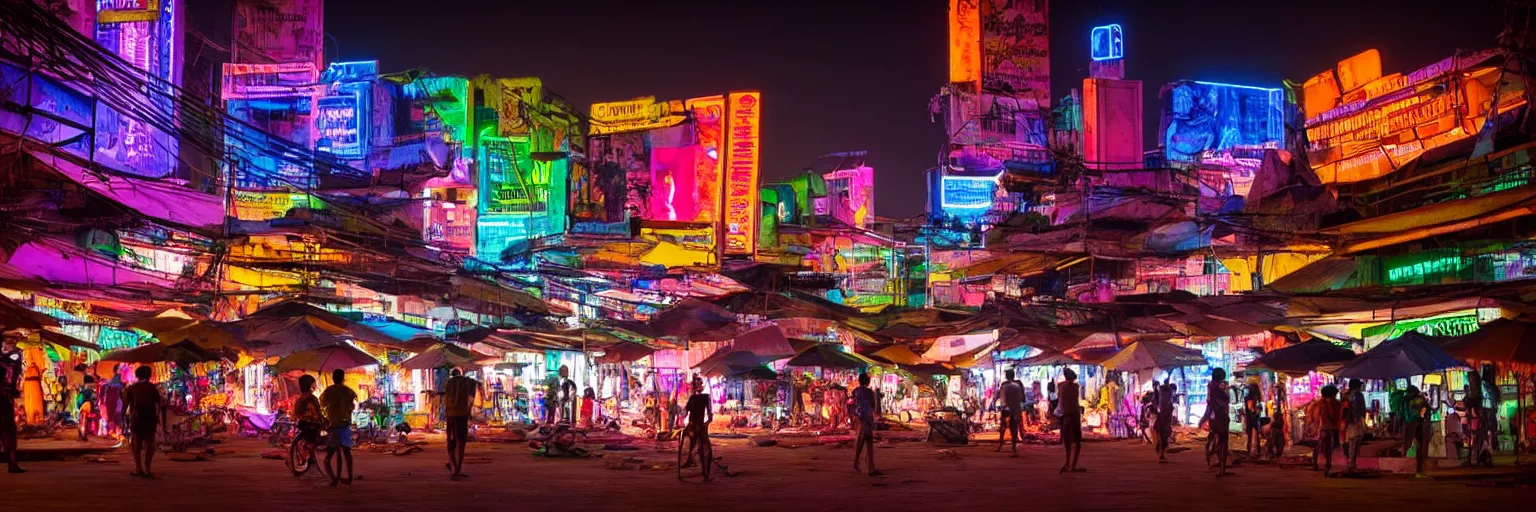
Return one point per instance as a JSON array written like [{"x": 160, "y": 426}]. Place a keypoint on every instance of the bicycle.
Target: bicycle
[
  {"x": 685, "y": 454},
  {"x": 303, "y": 453}
]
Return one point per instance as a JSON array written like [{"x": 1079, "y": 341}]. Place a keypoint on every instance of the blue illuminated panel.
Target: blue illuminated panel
[
  {"x": 1106, "y": 43},
  {"x": 1204, "y": 121}
]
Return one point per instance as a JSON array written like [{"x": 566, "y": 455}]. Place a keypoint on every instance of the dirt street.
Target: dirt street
[{"x": 1122, "y": 476}]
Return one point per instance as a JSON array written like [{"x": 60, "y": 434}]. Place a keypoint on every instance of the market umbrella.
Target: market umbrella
[
  {"x": 325, "y": 359},
  {"x": 1048, "y": 359},
  {"x": 753, "y": 373},
  {"x": 170, "y": 319},
  {"x": 1304, "y": 357},
  {"x": 165, "y": 352},
  {"x": 899, "y": 354},
  {"x": 1404, "y": 356},
  {"x": 624, "y": 352},
  {"x": 723, "y": 363},
  {"x": 827, "y": 355},
  {"x": 283, "y": 337},
  {"x": 1150, "y": 354},
  {"x": 1502, "y": 340},
  {"x": 205, "y": 334},
  {"x": 442, "y": 356}
]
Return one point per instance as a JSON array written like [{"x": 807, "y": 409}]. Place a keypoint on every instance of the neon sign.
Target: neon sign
[
  {"x": 1208, "y": 121},
  {"x": 337, "y": 129},
  {"x": 967, "y": 192},
  {"x": 964, "y": 41},
  {"x": 636, "y": 114},
  {"x": 144, "y": 33},
  {"x": 743, "y": 156},
  {"x": 1106, "y": 43}
]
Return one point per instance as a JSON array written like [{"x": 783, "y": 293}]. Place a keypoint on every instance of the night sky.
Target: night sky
[{"x": 846, "y": 75}]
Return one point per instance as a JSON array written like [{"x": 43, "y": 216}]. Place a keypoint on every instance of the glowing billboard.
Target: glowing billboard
[
  {"x": 280, "y": 31},
  {"x": 1106, "y": 43},
  {"x": 708, "y": 115},
  {"x": 635, "y": 115},
  {"x": 1204, "y": 121},
  {"x": 964, "y": 41},
  {"x": 851, "y": 195},
  {"x": 1362, "y": 125},
  {"x": 146, "y": 34},
  {"x": 1016, "y": 50},
  {"x": 743, "y": 157}
]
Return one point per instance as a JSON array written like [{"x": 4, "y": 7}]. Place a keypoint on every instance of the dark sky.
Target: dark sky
[{"x": 848, "y": 75}]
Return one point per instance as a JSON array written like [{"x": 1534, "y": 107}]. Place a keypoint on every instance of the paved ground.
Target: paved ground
[{"x": 1123, "y": 476}]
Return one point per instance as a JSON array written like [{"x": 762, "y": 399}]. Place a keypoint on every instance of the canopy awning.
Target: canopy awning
[
  {"x": 1321, "y": 275},
  {"x": 1153, "y": 354},
  {"x": 1304, "y": 357},
  {"x": 1502, "y": 340},
  {"x": 1408, "y": 355}
]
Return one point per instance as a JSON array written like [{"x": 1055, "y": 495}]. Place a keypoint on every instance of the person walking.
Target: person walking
[
  {"x": 1415, "y": 429},
  {"x": 1011, "y": 393},
  {"x": 10, "y": 390},
  {"x": 1253, "y": 399},
  {"x": 459, "y": 394},
  {"x": 1070, "y": 410},
  {"x": 1163, "y": 424},
  {"x": 90, "y": 412},
  {"x": 1355, "y": 409},
  {"x": 866, "y": 407},
  {"x": 339, "y": 401},
  {"x": 145, "y": 409},
  {"x": 700, "y": 415},
  {"x": 1329, "y": 421},
  {"x": 1218, "y": 402}
]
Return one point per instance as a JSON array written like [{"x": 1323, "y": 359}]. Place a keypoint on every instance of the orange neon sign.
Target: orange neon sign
[
  {"x": 964, "y": 41},
  {"x": 743, "y": 157}
]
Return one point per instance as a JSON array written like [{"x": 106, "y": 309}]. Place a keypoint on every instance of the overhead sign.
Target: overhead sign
[
  {"x": 253, "y": 81},
  {"x": 964, "y": 41},
  {"x": 129, "y": 11},
  {"x": 743, "y": 158},
  {"x": 1106, "y": 43},
  {"x": 636, "y": 114}
]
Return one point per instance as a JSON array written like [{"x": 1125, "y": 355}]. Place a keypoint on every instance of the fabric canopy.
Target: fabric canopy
[
  {"x": 442, "y": 355},
  {"x": 767, "y": 341},
  {"x": 723, "y": 363},
  {"x": 167, "y": 352},
  {"x": 1502, "y": 340},
  {"x": 1048, "y": 359},
  {"x": 1405, "y": 356},
  {"x": 14, "y": 316},
  {"x": 1303, "y": 357},
  {"x": 899, "y": 354},
  {"x": 1321, "y": 275},
  {"x": 1154, "y": 354},
  {"x": 325, "y": 359},
  {"x": 827, "y": 355},
  {"x": 624, "y": 352}
]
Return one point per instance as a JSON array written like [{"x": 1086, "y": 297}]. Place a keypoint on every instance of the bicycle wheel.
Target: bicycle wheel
[
  {"x": 301, "y": 455},
  {"x": 682, "y": 452}
]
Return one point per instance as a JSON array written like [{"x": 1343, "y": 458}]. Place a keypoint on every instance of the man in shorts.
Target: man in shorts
[
  {"x": 1218, "y": 403},
  {"x": 1071, "y": 410},
  {"x": 1011, "y": 392},
  {"x": 867, "y": 408},
  {"x": 700, "y": 415},
  {"x": 339, "y": 401},
  {"x": 458, "y": 395},
  {"x": 144, "y": 408}
]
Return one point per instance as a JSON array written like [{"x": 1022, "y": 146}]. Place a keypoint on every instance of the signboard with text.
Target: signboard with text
[{"x": 743, "y": 158}]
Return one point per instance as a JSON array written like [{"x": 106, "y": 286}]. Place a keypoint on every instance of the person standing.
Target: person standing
[
  {"x": 112, "y": 403},
  {"x": 552, "y": 399},
  {"x": 10, "y": 390},
  {"x": 1253, "y": 399},
  {"x": 90, "y": 413},
  {"x": 867, "y": 408},
  {"x": 700, "y": 415},
  {"x": 144, "y": 408},
  {"x": 339, "y": 402},
  {"x": 1071, "y": 413},
  {"x": 1355, "y": 410},
  {"x": 1011, "y": 392},
  {"x": 1415, "y": 428},
  {"x": 1218, "y": 402},
  {"x": 459, "y": 394},
  {"x": 1329, "y": 421},
  {"x": 1164, "y": 422},
  {"x": 567, "y": 396},
  {"x": 588, "y": 405}
]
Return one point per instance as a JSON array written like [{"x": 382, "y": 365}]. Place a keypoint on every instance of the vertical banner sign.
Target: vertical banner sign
[
  {"x": 964, "y": 41},
  {"x": 146, "y": 33},
  {"x": 743, "y": 156},
  {"x": 1016, "y": 50},
  {"x": 708, "y": 115}
]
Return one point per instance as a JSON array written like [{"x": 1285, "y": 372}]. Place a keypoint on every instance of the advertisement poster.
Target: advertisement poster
[
  {"x": 146, "y": 34},
  {"x": 337, "y": 128},
  {"x": 708, "y": 117},
  {"x": 1206, "y": 121},
  {"x": 272, "y": 31},
  {"x": 635, "y": 115},
  {"x": 1016, "y": 50},
  {"x": 599, "y": 187},
  {"x": 674, "y": 191},
  {"x": 743, "y": 158},
  {"x": 964, "y": 41}
]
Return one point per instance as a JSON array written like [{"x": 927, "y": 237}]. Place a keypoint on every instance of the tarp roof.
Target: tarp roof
[
  {"x": 1405, "y": 356},
  {"x": 165, "y": 202}
]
